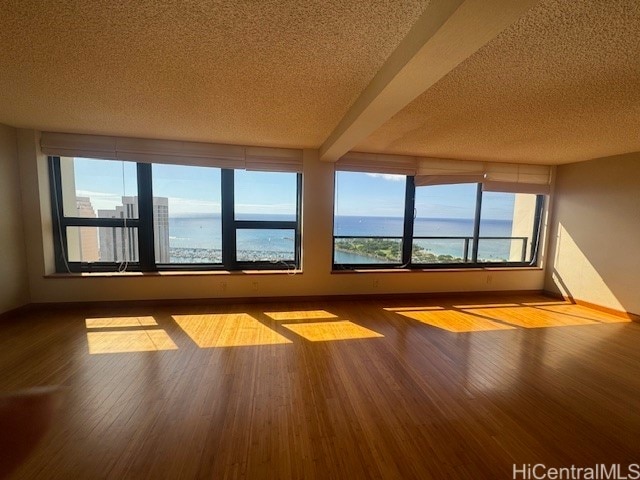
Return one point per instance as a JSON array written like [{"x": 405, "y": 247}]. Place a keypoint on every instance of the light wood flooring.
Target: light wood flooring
[{"x": 436, "y": 388}]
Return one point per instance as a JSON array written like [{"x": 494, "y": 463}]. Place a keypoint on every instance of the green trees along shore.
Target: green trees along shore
[{"x": 388, "y": 251}]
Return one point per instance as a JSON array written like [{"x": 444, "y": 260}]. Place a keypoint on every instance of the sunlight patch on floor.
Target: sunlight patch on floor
[
  {"x": 587, "y": 313},
  {"x": 129, "y": 342},
  {"x": 329, "y": 331},
  {"x": 532, "y": 317},
  {"x": 228, "y": 330},
  {"x": 117, "y": 322},
  {"x": 504, "y": 316},
  {"x": 409, "y": 309},
  {"x": 453, "y": 321},
  {"x": 488, "y": 305},
  {"x": 540, "y": 304},
  {"x": 300, "y": 315}
]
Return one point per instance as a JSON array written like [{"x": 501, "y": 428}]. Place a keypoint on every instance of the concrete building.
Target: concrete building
[
  {"x": 89, "y": 249},
  {"x": 161, "y": 229},
  {"x": 121, "y": 245}
]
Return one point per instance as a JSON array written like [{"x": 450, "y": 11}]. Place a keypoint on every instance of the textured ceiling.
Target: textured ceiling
[
  {"x": 560, "y": 85},
  {"x": 253, "y": 72}
]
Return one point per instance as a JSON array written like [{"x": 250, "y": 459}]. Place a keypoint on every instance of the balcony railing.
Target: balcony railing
[{"x": 430, "y": 249}]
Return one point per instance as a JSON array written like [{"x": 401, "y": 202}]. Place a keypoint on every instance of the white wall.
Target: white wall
[
  {"x": 13, "y": 271},
  {"x": 595, "y": 233},
  {"x": 316, "y": 278}
]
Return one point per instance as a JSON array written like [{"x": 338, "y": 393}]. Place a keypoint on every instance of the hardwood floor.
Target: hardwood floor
[{"x": 436, "y": 388}]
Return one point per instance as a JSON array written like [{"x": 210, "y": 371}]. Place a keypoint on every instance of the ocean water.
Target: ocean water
[
  {"x": 488, "y": 249},
  {"x": 194, "y": 236},
  {"x": 198, "y": 238}
]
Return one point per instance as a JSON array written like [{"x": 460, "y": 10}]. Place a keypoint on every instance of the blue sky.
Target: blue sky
[
  {"x": 373, "y": 194},
  {"x": 189, "y": 189},
  {"x": 197, "y": 190}
]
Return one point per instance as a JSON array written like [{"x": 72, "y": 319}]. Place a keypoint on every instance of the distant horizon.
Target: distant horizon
[
  {"x": 356, "y": 194},
  {"x": 246, "y": 214}
]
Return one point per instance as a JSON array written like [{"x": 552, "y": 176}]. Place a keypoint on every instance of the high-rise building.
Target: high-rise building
[
  {"x": 121, "y": 244},
  {"x": 88, "y": 236},
  {"x": 118, "y": 244},
  {"x": 161, "y": 228}
]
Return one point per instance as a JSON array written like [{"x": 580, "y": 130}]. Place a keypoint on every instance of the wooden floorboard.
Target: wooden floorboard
[{"x": 423, "y": 388}]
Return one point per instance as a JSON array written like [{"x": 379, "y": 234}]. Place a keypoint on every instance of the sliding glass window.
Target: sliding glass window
[
  {"x": 387, "y": 221},
  {"x": 369, "y": 219},
  {"x": 444, "y": 224},
  {"x": 113, "y": 215}
]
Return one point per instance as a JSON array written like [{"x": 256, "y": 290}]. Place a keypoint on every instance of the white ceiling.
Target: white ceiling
[{"x": 561, "y": 84}]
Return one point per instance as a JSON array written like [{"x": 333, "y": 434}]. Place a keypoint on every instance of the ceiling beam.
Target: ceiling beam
[{"x": 447, "y": 33}]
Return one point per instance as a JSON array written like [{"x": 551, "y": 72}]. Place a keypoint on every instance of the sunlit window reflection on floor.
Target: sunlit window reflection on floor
[
  {"x": 454, "y": 321},
  {"x": 525, "y": 312},
  {"x": 228, "y": 330},
  {"x": 529, "y": 317},
  {"x": 117, "y": 322},
  {"x": 579, "y": 311},
  {"x": 129, "y": 341},
  {"x": 488, "y": 305},
  {"x": 542, "y": 303},
  {"x": 408, "y": 309},
  {"x": 549, "y": 315},
  {"x": 300, "y": 315},
  {"x": 328, "y": 331}
]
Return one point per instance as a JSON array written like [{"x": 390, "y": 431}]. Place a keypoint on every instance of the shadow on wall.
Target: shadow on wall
[{"x": 595, "y": 246}]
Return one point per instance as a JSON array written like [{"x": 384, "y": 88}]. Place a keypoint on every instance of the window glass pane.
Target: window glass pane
[
  {"x": 506, "y": 227},
  {"x": 265, "y": 195},
  {"x": 368, "y": 205},
  {"x": 187, "y": 222},
  {"x": 441, "y": 250},
  {"x": 367, "y": 250},
  {"x": 443, "y": 226},
  {"x": 271, "y": 245},
  {"x": 98, "y": 188},
  {"x": 102, "y": 244}
]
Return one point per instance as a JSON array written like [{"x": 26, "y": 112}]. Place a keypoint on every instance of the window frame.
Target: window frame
[
  {"x": 230, "y": 227},
  {"x": 145, "y": 223},
  {"x": 408, "y": 238}
]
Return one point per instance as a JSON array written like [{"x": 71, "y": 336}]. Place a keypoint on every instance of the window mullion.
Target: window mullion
[
  {"x": 409, "y": 214},
  {"x": 535, "y": 237},
  {"x": 228, "y": 219},
  {"x": 476, "y": 225},
  {"x": 101, "y": 222},
  {"x": 146, "y": 248},
  {"x": 265, "y": 224},
  {"x": 59, "y": 227},
  {"x": 298, "y": 241}
]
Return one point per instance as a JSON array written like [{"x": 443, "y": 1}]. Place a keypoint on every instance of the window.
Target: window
[
  {"x": 114, "y": 215},
  {"x": 507, "y": 227},
  {"x": 444, "y": 223},
  {"x": 187, "y": 214},
  {"x": 96, "y": 213},
  {"x": 265, "y": 230},
  {"x": 265, "y": 195},
  {"x": 368, "y": 220},
  {"x": 386, "y": 221}
]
